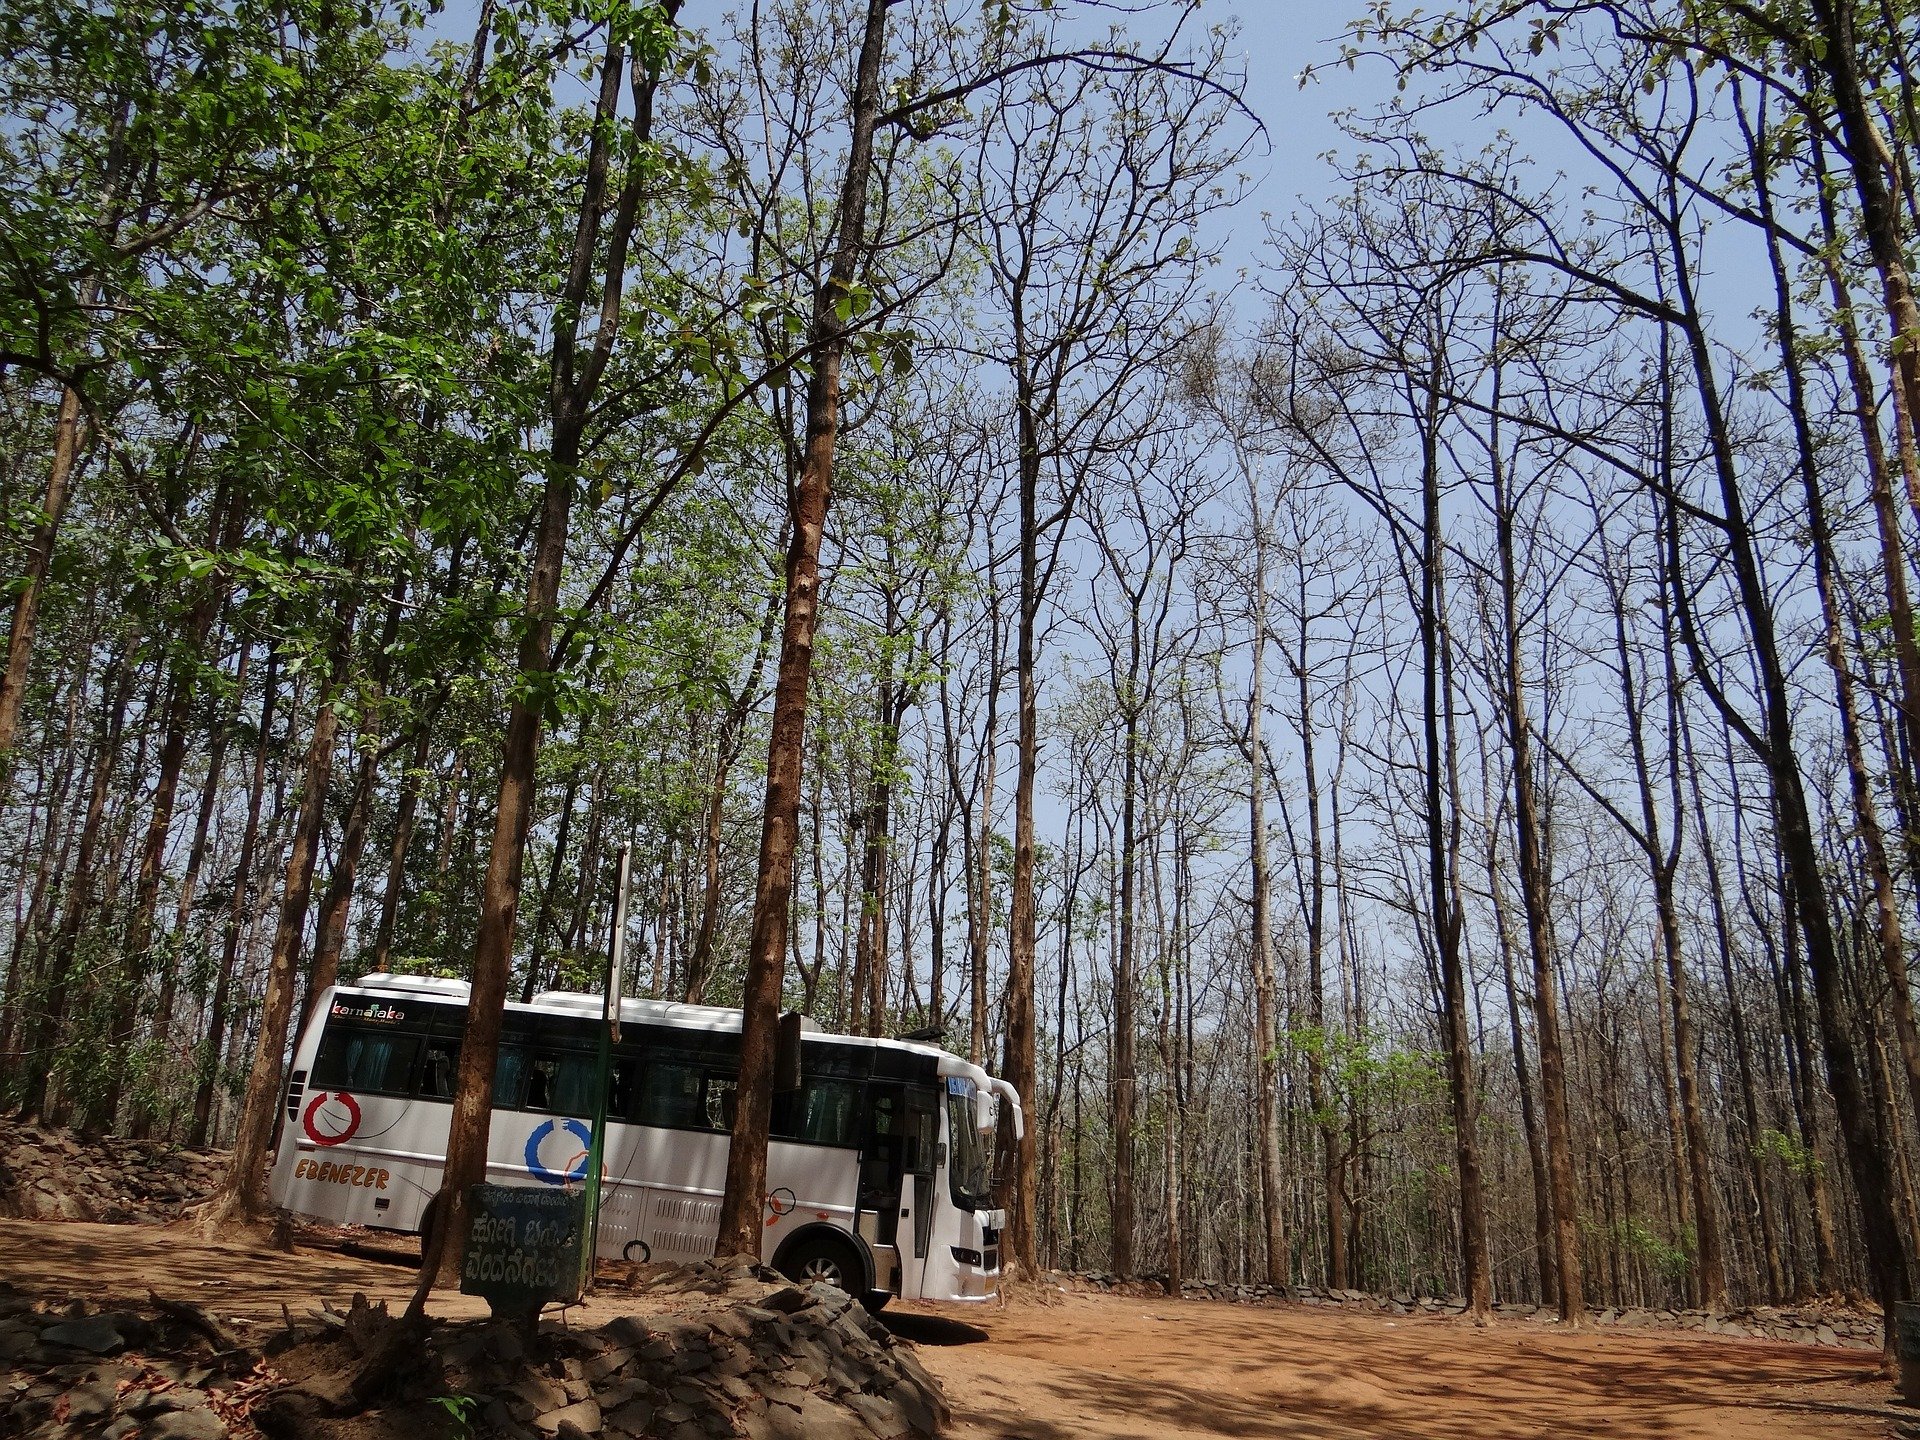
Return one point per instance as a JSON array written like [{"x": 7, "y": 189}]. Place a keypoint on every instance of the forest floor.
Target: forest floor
[{"x": 1106, "y": 1367}]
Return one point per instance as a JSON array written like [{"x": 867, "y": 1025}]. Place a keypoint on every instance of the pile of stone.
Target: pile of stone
[
  {"x": 49, "y": 1174},
  {"x": 793, "y": 1364},
  {"x": 1810, "y": 1324},
  {"x": 1817, "y": 1323},
  {"x": 742, "y": 1359},
  {"x": 170, "y": 1374}
]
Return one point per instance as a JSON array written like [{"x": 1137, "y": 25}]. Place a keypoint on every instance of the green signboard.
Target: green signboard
[{"x": 525, "y": 1247}]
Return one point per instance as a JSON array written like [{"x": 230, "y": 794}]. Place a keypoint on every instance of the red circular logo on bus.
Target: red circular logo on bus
[{"x": 332, "y": 1116}]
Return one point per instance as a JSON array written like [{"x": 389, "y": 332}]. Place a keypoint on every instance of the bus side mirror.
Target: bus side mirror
[{"x": 786, "y": 1053}]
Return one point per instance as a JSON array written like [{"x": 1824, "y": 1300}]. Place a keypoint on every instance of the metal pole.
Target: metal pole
[{"x": 609, "y": 1032}]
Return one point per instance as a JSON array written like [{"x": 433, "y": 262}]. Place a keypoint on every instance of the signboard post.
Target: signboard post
[
  {"x": 524, "y": 1249},
  {"x": 609, "y": 1032},
  {"x": 1905, "y": 1321}
]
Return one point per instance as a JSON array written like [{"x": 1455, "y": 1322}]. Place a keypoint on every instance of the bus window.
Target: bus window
[
  {"x": 438, "y": 1068},
  {"x": 823, "y": 1112},
  {"x": 376, "y": 1061},
  {"x": 623, "y": 1087},
  {"x": 671, "y": 1096},
  {"x": 510, "y": 1078},
  {"x": 719, "y": 1103},
  {"x": 923, "y": 1131},
  {"x": 686, "y": 1095},
  {"x": 561, "y": 1082}
]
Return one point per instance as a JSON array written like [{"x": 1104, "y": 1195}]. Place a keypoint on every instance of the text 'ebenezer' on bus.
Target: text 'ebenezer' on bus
[{"x": 878, "y": 1173}]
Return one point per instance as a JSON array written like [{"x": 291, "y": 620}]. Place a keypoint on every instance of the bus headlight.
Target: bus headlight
[{"x": 966, "y": 1256}]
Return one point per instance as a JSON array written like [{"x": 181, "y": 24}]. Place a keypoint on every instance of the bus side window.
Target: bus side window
[
  {"x": 923, "y": 1132},
  {"x": 623, "y": 1087},
  {"x": 822, "y": 1112},
  {"x": 561, "y": 1082},
  {"x": 828, "y": 1113},
  {"x": 510, "y": 1078},
  {"x": 671, "y": 1096},
  {"x": 719, "y": 1107},
  {"x": 441, "y": 1064},
  {"x": 375, "y": 1061},
  {"x": 540, "y": 1078}
]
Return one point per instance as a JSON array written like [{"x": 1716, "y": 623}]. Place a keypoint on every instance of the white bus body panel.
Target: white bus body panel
[{"x": 376, "y": 1161}]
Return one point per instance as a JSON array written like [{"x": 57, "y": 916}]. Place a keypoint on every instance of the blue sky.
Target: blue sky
[{"x": 1281, "y": 38}]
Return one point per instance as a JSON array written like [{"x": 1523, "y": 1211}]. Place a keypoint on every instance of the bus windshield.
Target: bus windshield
[{"x": 970, "y": 1148}]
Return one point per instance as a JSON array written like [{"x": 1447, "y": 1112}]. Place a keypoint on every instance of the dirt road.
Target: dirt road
[{"x": 1110, "y": 1368}]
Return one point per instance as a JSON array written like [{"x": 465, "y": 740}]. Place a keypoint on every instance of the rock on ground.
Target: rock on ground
[
  {"x": 739, "y": 1357},
  {"x": 1818, "y": 1322},
  {"x": 68, "y": 1372},
  {"x": 51, "y": 1174},
  {"x": 761, "y": 1361}
]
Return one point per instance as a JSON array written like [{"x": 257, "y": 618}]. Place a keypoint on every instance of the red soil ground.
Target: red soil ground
[{"x": 1112, "y": 1368}]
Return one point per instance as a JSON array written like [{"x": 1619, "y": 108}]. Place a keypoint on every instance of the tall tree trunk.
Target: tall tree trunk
[
  {"x": 980, "y": 908},
  {"x": 1266, "y": 1038},
  {"x": 397, "y": 855},
  {"x": 243, "y": 885},
  {"x": 1889, "y": 942},
  {"x": 726, "y": 751},
  {"x": 1736, "y": 1017},
  {"x": 1170, "y": 1120},
  {"x": 1437, "y": 722},
  {"x": 537, "y": 952},
  {"x": 1893, "y": 557},
  {"x": 1018, "y": 1065},
  {"x": 1332, "y": 1152},
  {"x": 336, "y": 905},
  {"x": 1772, "y": 744},
  {"x": 1536, "y": 902},
  {"x": 1125, "y": 1042},
  {"x": 1544, "y": 1234},
  {"x": 136, "y": 963},
  {"x": 1872, "y": 168},
  {"x": 574, "y": 938},
  {"x": 242, "y": 1194},
  {"x": 146, "y": 1117},
  {"x": 45, "y": 1034},
  {"x": 712, "y": 832},
  {"x": 870, "y": 943},
  {"x": 740, "y": 1211},
  {"x": 39, "y": 560},
  {"x": 603, "y": 231}
]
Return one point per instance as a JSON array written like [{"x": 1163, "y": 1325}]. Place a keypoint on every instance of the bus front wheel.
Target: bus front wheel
[
  {"x": 821, "y": 1258},
  {"x": 429, "y": 1218}
]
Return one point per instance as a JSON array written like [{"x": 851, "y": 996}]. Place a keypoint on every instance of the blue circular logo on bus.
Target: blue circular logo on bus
[{"x": 576, "y": 1167}]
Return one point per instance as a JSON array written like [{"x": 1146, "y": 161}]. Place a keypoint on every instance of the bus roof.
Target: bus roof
[{"x": 710, "y": 1018}]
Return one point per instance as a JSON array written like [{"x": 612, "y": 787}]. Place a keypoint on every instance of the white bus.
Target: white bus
[{"x": 878, "y": 1172}]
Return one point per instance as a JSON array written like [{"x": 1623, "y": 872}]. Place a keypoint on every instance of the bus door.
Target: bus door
[
  {"x": 882, "y": 1154},
  {"x": 920, "y": 1163}
]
